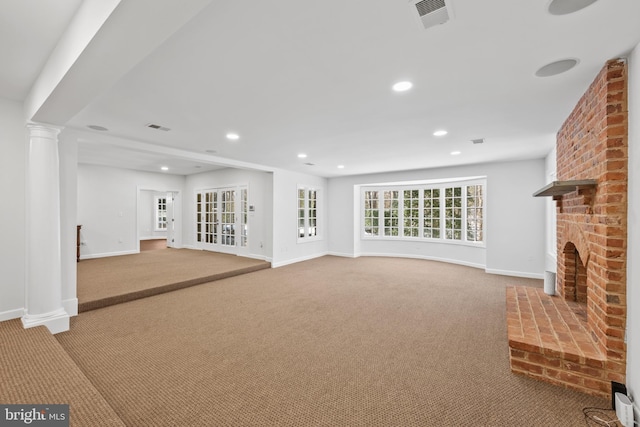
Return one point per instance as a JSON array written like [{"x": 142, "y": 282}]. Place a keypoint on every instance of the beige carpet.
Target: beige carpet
[
  {"x": 328, "y": 342},
  {"x": 114, "y": 280},
  {"x": 153, "y": 244},
  {"x": 35, "y": 369}
]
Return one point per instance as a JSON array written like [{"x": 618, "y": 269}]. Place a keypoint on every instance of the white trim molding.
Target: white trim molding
[
  {"x": 11, "y": 314},
  {"x": 56, "y": 321}
]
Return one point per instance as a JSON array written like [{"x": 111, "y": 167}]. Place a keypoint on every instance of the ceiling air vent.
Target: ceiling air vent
[
  {"x": 431, "y": 12},
  {"x": 157, "y": 127}
]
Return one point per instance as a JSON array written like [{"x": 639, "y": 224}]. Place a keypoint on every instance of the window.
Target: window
[
  {"x": 453, "y": 213},
  {"x": 308, "y": 213},
  {"x": 371, "y": 213},
  {"x": 431, "y": 213},
  {"x": 446, "y": 211},
  {"x": 391, "y": 213},
  {"x": 475, "y": 215},
  {"x": 411, "y": 213},
  {"x": 160, "y": 204}
]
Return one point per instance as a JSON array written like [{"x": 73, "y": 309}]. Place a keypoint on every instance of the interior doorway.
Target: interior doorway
[{"x": 158, "y": 217}]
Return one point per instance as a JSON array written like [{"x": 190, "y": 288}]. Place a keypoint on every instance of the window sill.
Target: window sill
[
  {"x": 309, "y": 239},
  {"x": 480, "y": 245}
]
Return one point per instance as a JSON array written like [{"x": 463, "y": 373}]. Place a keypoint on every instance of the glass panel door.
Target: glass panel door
[
  {"x": 228, "y": 217},
  {"x": 219, "y": 217}
]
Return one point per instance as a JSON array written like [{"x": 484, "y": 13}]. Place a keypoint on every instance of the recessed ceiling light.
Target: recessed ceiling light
[
  {"x": 340, "y": 166},
  {"x": 302, "y": 156},
  {"x": 233, "y": 136},
  {"x": 441, "y": 132},
  {"x": 164, "y": 168},
  {"x": 564, "y": 7},
  {"x": 96, "y": 127},
  {"x": 455, "y": 153},
  {"x": 402, "y": 86},
  {"x": 557, "y": 67}
]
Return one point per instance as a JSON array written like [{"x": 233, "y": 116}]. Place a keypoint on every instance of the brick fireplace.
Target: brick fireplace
[{"x": 576, "y": 339}]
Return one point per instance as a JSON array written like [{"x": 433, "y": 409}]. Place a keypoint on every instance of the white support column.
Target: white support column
[{"x": 43, "y": 295}]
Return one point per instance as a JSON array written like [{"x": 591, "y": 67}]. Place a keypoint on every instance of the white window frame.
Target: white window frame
[
  {"x": 307, "y": 230},
  {"x": 441, "y": 186}
]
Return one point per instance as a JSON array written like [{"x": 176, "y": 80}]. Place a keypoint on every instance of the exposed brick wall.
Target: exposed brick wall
[{"x": 592, "y": 144}]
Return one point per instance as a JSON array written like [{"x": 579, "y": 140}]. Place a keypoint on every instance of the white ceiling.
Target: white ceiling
[
  {"x": 296, "y": 77},
  {"x": 105, "y": 154},
  {"x": 29, "y": 30}
]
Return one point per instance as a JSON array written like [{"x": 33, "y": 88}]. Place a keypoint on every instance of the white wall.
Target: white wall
[
  {"x": 515, "y": 219},
  {"x": 107, "y": 207},
  {"x": 259, "y": 186},
  {"x": 286, "y": 248},
  {"x": 13, "y": 144},
  {"x": 633, "y": 242},
  {"x": 68, "y": 156},
  {"x": 551, "y": 259},
  {"x": 510, "y": 211}
]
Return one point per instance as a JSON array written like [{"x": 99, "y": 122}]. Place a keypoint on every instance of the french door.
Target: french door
[{"x": 221, "y": 219}]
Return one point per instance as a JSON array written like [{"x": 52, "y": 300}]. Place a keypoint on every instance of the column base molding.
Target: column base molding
[
  {"x": 70, "y": 306},
  {"x": 56, "y": 321}
]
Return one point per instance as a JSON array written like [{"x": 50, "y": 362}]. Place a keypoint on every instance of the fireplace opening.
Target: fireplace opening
[{"x": 575, "y": 280}]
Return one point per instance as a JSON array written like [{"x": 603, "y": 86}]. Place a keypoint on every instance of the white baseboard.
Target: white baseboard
[
  {"x": 255, "y": 256},
  {"x": 11, "y": 314},
  {"x": 296, "y": 260},
  {"x": 343, "y": 254},
  {"x": 108, "y": 254},
  {"x": 516, "y": 274},
  {"x": 523, "y": 274},
  {"x": 426, "y": 257},
  {"x": 154, "y": 238},
  {"x": 71, "y": 306}
]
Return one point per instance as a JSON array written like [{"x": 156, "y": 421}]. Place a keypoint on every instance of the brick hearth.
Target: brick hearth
[{"x": 549, "y": 340}]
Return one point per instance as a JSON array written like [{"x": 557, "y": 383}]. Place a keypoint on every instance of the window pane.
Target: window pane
[
  {"x": 391, "y": 213},
  {"x": 312, "y": 213},
  {"x": 371, "y": 213},
  {"x": 431, "y": 213},
  {"x": 411, "y": 213},
  {"x": 453, "y": 213},
  {"x": 474, "y": 213}
]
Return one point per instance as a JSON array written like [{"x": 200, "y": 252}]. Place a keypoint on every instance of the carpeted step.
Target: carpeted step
[
  {"x": 35, "y": 369},
  {"x": 161, "y": 289}
]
